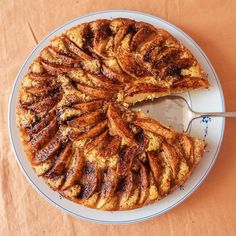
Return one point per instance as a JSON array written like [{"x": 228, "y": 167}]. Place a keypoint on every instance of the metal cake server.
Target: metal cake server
[{"x": 176, "y": 112}]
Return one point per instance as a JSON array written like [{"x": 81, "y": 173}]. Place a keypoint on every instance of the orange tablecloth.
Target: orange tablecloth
[{"x": 211, "y": 210}]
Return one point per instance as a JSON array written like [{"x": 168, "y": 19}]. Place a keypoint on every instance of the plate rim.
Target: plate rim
[{"x": 199, "y": 182}]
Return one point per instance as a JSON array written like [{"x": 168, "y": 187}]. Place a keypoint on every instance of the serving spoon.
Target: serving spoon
[{"x": 175, "y": 111}]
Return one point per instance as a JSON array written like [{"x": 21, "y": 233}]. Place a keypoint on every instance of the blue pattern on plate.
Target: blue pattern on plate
[{"x": 205, "y": 121}]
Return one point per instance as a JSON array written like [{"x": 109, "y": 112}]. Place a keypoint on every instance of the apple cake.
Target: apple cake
[{"x": 76, "y": 121}]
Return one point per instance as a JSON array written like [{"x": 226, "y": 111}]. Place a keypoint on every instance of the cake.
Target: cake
[{"x": 76, "y": 120}]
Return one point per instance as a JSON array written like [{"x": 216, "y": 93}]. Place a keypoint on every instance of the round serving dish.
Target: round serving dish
[{"x": 211, "y": 130}]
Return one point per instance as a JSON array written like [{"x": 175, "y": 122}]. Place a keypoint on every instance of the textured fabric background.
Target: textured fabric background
[{"x": 211, "y": 210}]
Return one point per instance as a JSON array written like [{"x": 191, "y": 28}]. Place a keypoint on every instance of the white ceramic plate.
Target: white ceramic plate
[{"x": 210, "y": 129}]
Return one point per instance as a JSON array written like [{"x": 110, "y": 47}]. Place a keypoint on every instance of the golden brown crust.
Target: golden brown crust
[
  {"x": 118, "y": 125},
  {"x": 88, "y": 119},
  {"x": 97, "y": 129},
  {"x": 154, "y": 164},
  {"x": 88, "y": 106},
  {"x": 63, "y": 160},
  {"x": 75, "y": 170},
  {"x": 77, "y": 133},
  {"x": 111, "y": 147},
  {"x": 154, "y": 126},
  {"x": 95, "y": 142},
  {"x": 95, "y": 92}
]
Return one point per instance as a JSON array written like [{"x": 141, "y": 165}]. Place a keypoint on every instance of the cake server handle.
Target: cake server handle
[{"x": 215, "y": 114}]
